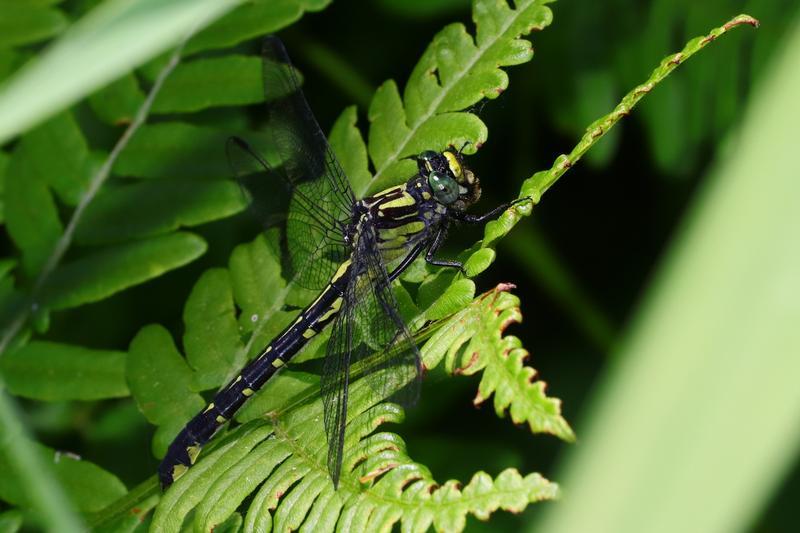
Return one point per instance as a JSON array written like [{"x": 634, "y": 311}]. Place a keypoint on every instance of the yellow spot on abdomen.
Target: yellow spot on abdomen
[
  {"x": 193, "y": 452},
  {"x": 178, "y": 470}
]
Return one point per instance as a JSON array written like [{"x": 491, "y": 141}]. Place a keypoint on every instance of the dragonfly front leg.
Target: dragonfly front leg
[
  {"x": 438, "y": 240},
  {"x": 491, "y": 215}
]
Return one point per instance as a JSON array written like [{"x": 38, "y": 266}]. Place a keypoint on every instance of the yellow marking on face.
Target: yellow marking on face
[
  {"x": 342, "y": 269},
  {"x": 470, "y": 177},
  {"x": 404, "y": 201},
  {"x": 426, "y": 195},
  {"x": 247, "y": 392},
  {"x": 452, "y": 162},
  {"x": 277, "y": 363},
  {"x": 193, "y": 452},
  {"x": 178, "y": 470},
  {"x": 209, "y": 407},
  {"x": 309, "y": 333},
  {"x": 221, "y": 419}
]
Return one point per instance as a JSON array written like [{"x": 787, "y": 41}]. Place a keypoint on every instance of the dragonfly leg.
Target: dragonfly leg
[
  {"x": 407, "y": 260},
  {"x": 437, "y": 243},
  {"x": 491, "y": 215}
]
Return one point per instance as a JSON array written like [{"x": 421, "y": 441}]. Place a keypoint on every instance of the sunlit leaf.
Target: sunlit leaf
[
  {"x": 161, "y": 383},
  {"x": 156, "y": 207},
  {"x": 89, "y": 487},
  {"x": 101, "y": 274},
  {"x": 117, "y": 102},
  {"x": 37, "y": 371},
  {"x": 253, "y": 19},
  {"x": 218, "y": 81},
  {"x": 26, "y": 22}
]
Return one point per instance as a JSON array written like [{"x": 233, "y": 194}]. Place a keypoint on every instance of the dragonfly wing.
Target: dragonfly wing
[
  {"x": 315, "y": 241},
  {"x": 296, "y": 151},
  {"x": 371, "y": 356}
]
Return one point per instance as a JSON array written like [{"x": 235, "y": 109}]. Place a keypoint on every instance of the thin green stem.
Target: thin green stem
[
  {"x": 541, "y": 182},
  {"x": 535, "y": 186}
]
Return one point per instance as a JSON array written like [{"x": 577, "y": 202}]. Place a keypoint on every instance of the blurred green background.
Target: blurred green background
[{"x": 583, "y": 265}]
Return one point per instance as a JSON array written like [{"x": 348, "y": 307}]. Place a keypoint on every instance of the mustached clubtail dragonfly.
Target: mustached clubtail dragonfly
[{"x": 349, "y": 251}]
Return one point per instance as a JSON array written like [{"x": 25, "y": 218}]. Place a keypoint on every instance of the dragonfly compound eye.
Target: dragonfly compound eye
[{"x": 445, "y": 188}]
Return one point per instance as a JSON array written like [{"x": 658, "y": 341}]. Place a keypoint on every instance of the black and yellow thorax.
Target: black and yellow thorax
[{"x": 402, "y": 216}]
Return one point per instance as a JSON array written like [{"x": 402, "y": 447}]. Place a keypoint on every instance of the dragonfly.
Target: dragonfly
[{"x": 347, "y": 250}]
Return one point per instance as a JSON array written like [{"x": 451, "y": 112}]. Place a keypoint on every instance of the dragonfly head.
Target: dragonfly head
[{"x": 452, "y": 182}]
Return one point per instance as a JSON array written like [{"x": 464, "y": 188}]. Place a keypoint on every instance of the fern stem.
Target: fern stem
[
  {"x": 540, "y": 182},
  {"x": 97, "y": 181}
]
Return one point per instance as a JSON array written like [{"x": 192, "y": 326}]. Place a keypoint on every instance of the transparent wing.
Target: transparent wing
[
  {"x": 321, "y": 199},
  {"x": 369, "y": 341}
]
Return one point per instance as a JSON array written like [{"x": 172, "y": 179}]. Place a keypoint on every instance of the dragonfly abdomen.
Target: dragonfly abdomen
[{"x": 183, "y": 451}]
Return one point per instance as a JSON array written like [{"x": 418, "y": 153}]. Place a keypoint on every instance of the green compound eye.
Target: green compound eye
[{"x": 445, "y": 188}]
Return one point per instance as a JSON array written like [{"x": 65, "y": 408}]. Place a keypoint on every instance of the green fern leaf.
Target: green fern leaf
[
  {"x": 10, "y": 521},
  {"x": 4, "y": 158},
  {"x": 277, "y": 459},
  {"x": 26, "y": 22},
  {"x": 196, "y": 85},
  {"x": 278, "y": 465},
  {"x": 473, "y": 341},
  {"x": 213, "y": 338},
  {"x": 117, "y": 102},
  {"x": 455, "y": 72},
  {"x": 90, "y": 488},
  {"x": 94, "y": 374},
  {"x": 251, "y": 20}
]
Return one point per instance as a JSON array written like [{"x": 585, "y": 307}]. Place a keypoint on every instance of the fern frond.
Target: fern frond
[
  {"x": 278, "y": 466},
  {"x": 456, "y": 71},
  {"x": 474, "y": 340}
]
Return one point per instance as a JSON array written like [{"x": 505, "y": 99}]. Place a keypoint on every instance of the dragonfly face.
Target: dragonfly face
[{"x": 452, "y": 183}]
